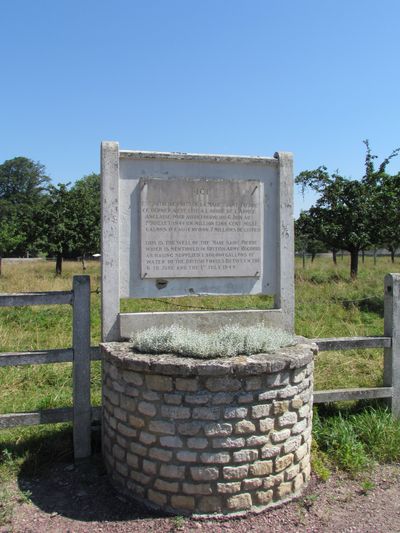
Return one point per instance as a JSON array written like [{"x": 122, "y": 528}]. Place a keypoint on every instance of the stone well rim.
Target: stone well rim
[{"x": 290, "y": 357}]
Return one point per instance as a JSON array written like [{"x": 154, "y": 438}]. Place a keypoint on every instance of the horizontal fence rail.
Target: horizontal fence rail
[
  {"x": 353, "y": 343},
  {"x": 36, "y": 298},
  {"x": 82, "y": 413}
]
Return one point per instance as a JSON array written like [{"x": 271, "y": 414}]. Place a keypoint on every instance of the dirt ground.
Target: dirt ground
[{"x": 80, "y": 499}]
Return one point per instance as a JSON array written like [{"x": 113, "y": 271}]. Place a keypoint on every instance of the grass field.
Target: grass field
[{"x": 328, "y": 304}]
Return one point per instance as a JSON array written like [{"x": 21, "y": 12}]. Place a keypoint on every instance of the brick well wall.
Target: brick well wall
[{"x": 208, "y": 437}]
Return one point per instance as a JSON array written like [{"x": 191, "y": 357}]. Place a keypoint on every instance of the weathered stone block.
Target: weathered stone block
[
  {"x": 132, "y": 377},
  {"x": 228, "y": 442},
  {"x": 132, "y": 460},
  {"x": 140, "y": 477},
  {"x": 283, "y": 462},
  {"x": 288, "y": 392},
  {"x": 197, "y": 488},
  {"x": 277, "y": 379},
  {"x": 156, "y": 497},
  {"x": 186, "y": 384},
  {"x": 299, "y": 427},
  {"x": 216, "y": 458},
  {"x": 272, "y": 481},
  {"x": 221, "y": 398},
  {"x": 291, "y": 473},
  {"x": 173, "y": 399},
  {"x": 190, "y": 428},
  {"x": 138, "y": 449},
  {"x": 261, "y": 468},
  {"x": 223, "y": 384},
  {"x": 252, "y": 483},
  {"x": 118, "y": 452},
  {"x": 278, "y": 408},
  {"x": 235, "y": 412},
  {"x": 287, "y": 419},
  {"x": 256, "y": 440},
  {"x": 244, "y": 426},
  {"x": 162, "y": 427},
  {"x": 197, "y": 399},
  {"x": 266, "y": 424},
  {"x": 120, "y": 414},
  {"x": 183, "y": 502},
  {"x": 228, "y": 488},
  {"x": 166, "y": 486},
  {"x": 206, "y": 413},
  {"x": 253, "y": 383},
  {"x": 171, "y": 442},
  {"x": 284, "y": 490},
  {"x": 301, "y": 452},
  {"x": 136, "y": 422},
  {"x": 175, "y": 412},
  {"x": 172, "y": 471},
  {"x": 210, "y": 504},
  {"x": 186, "y": 456},
  {"x": 147, "y": 409},
  {"x": 159, "y": 383},
  {"x": 160, "y": 454},
  {"x": 239, "y": 502},
  {"x": 122, "y": 468},
  {"x": 203, "y": 473},
  {"x": 291, "y": 444},
  {"x": 149, "y": 467},
  {"x": 280, "y": 436},
  {"x": 126, "y": 431},
  {"x": 235, "y": 472},
  {"x": 218, "y": 429},
  {"x": 259, "y": 411},
  {"x": 151, "y": 396},
  {"x": 245, "y": 456},
  {"x": 197, "y": 443},
  {"x": 263, "y": 497},
  {"x": 147, "y": 438}
]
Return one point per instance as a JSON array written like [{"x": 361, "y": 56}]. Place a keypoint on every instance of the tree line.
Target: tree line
[
  {"x": 40, "y": 218},
  {"x": 352, "y": 215}
]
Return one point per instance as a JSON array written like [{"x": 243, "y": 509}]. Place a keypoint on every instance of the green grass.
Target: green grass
[{"x": 328, "y": 304}]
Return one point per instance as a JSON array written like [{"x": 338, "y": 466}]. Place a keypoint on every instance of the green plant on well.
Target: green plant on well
[
  {"x": 178, "y": 522},
  {"x": 320, "y": 464},
  {"x": 226, "y": 342}
]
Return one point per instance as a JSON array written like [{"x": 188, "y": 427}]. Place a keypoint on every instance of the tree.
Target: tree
[
  {"x": 305, "y": 237},
  {"x": 10, "y": 231},
  {"x": 57, "y": 227},
  {"x": 344, "y": 212},
  {"x": 23, "y": 185},
  {"x": 85, "y": 199}
]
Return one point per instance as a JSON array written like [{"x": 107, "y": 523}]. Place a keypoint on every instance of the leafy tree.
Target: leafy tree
[
  {"x": 85, "y": 200},
  {"x": 345, "y": 210},
  {"x": 10, "y": 231},
  {"x": 305, "y": 237},
  {"x": 23, "y": 185},
  {"x": 57, "y": 227}
]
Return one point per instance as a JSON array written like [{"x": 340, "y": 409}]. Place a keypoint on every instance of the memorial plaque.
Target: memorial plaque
[{"x": 196, "y": 228}]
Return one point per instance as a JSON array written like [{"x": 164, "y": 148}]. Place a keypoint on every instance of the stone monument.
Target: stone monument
[{"x": 222, "y": 436}]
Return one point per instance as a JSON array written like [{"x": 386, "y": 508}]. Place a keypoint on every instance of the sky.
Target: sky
[{"x": 248, "y": 77}]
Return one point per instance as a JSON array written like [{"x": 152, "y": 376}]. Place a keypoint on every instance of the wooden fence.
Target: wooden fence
[
  {"x": 81, "y": 353},
  {"x": 82, "y": 414}
]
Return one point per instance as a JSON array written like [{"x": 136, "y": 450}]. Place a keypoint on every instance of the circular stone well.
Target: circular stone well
[{"x": 208, "y": 437}]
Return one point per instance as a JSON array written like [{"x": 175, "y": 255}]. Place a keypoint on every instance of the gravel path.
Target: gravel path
[{"x": 69, "y": 499}]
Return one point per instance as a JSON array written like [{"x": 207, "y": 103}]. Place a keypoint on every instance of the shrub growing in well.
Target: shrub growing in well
[{"x": 226, "y": 342}]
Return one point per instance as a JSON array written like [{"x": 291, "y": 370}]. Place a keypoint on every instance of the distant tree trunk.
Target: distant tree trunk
[
  {"x": 313, "y": 254},
  {"x": 353, "y": 263},
  {"x": 83, "y": 261},
  {"x": 363, "y": 256},
  {"x": 392, "y": 253},
  {"x": 0, "y": 264},
  {"x": 334, "y": 256},
  {"x": 59, "y": 260},
  {"x": 374, "y": 256},
  {"x": 304, "y": 259}
]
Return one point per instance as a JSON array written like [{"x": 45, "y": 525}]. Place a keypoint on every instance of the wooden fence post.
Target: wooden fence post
[
  {"x": 81, "y": 367},
  {"x": 391, "y": 373}
]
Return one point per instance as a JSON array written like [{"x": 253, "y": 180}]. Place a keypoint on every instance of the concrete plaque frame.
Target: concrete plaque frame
[{"x": 122, "y": 172}]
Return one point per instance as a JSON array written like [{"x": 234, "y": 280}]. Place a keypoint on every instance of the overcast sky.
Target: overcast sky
[{"x": 241, "y": 77}]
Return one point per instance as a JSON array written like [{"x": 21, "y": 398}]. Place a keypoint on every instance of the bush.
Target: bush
[{"x": 227, "y": 342}]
